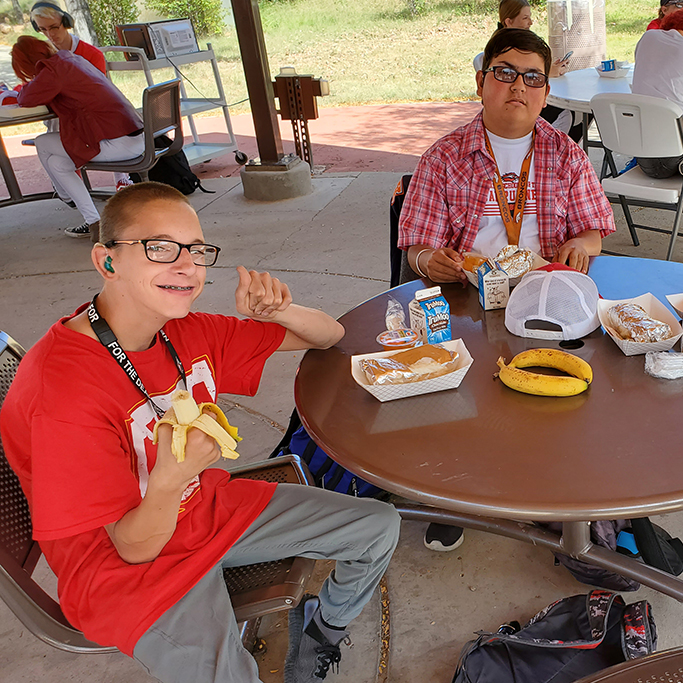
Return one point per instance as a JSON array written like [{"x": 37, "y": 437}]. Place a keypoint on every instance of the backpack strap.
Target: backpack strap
[
  {"x": 598, "y": 605},
  {"x": 653, "y": 546},
  {"x": 639, "y": 634},
  {"x": 203, "y": 189},
  {"x": 283, "y": 445}
]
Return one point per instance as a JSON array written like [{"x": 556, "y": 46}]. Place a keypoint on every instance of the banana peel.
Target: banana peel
[{"x": 185, "y": 414}]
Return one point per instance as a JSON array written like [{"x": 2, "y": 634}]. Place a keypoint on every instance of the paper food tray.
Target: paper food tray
[
  {"x": 14, "y": 111},
  {"x": 676, "y": 300},
  {"x": 619, "y": 72},
  {"x": 391, "y": 392},
  {"x": 655, "y": 309},
  {"x": 538, "y": 262}
]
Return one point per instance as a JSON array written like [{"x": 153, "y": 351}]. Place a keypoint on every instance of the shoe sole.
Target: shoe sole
[
  {"x": 439, "y": 547},
  {"x": 76, "y": 235}
]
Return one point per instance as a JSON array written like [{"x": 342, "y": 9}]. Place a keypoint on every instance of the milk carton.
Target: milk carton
[
  {"x": 430, "y": 316},
  {"x": 494, "y": 287}
]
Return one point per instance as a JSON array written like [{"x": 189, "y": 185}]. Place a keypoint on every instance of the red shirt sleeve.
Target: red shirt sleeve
[
  {"x": 92, "y": 54},
  {"x": 424, "y": 217},
  {"x": 81, "y": 478},
  {"x": 240, "y": 349}
]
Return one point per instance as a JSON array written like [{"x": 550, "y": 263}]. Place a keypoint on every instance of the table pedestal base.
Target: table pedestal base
[{"x": 574, "y": 541}]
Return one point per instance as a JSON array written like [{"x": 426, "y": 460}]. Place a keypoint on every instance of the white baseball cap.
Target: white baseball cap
[{"x": 553, "y": 304}]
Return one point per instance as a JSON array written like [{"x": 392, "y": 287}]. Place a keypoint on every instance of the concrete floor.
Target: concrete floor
[{"x": 331, "y": 247}]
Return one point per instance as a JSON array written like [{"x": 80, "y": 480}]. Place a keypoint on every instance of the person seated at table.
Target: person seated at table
[
  {"x": 452, "y": 204},
  {"x": 666, "y": 7},
  {"x": 96, "y": 122},
  {"x": 138, "y": 540},
  {"x": 54, "y": 23},
  {"x": 517, "y": 14},
  {"x": 658, "y": 72}
]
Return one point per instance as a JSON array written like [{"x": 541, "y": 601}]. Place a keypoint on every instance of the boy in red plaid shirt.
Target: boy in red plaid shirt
[{"x": 506, "y": 177}]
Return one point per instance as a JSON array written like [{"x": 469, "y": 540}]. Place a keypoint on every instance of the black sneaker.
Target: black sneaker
[
  {"x": 80, "y": 231},
  {"x": 442, "y": 537},
  {"x": 311, "y": 654}
]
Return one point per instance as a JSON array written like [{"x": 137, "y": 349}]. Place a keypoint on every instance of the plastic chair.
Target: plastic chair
[
  {"x": 161, "y": 116},
  {"x": 255, "y": 590},
  {"x": 646, "y": 127},
  {"x": 661, "y": 667}
]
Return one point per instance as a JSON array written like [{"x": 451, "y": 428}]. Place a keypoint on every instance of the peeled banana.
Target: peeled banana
[
  {"x": 514, "y": 376},
  {"x": 185, "y": 414}
]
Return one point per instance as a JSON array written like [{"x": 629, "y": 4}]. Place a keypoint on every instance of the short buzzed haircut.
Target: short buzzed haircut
[
  {"x": 119, "y": 211},
  {"x": 522, "y": 39}
]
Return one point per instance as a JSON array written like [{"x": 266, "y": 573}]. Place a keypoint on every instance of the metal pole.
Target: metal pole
[{"x": 577, "y": 531}]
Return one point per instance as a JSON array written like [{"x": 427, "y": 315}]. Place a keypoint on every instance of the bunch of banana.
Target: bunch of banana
[
  {"x": 516, "y": 378},
  {"x": 185, "y": 414}
]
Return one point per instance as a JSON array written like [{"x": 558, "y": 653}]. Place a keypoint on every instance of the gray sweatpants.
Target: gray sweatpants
[{"x": 198, "y": 640}]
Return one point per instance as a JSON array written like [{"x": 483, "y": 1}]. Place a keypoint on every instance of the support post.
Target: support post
[{"x": 259, "y": 84}]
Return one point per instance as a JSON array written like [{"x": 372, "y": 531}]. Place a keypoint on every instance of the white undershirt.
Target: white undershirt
[{"x": 492, "y": 236}]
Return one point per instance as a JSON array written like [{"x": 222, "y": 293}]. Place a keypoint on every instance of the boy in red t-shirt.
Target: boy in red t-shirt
[{"x": 137, "y": 540}]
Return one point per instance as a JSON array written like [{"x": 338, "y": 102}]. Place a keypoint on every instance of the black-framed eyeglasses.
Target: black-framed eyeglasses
[
  {"x": 168, "y": 251},
  {"x": 675, "y": 3},
  {"x": 506, "y": 74}
]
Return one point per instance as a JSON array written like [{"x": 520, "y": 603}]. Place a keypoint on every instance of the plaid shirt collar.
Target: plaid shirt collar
[{"x": 473, "y": 137}]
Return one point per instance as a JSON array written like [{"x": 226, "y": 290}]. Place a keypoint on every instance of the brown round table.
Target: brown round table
[{"x": 486, "y": 452}]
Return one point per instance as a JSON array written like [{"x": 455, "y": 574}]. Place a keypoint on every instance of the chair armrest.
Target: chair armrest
[
  {"x": 288, "y": 469},
  {"x": 38, "y": 612}
]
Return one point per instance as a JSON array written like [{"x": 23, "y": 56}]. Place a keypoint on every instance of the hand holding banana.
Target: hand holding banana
[
  {"x": 514, "y": 376},
  {"x": 185, "y": 414}
]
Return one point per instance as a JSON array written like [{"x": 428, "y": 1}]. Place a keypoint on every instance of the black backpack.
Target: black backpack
[
  {"x": 327, "y": 474},
  {"x": 572, "y": 638},
  {"x": 648, "y": 542},
  {"x": 172, "y": 169}
]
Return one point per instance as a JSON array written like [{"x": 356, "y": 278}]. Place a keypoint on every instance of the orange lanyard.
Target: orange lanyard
[{"x": 512, "y": 220}]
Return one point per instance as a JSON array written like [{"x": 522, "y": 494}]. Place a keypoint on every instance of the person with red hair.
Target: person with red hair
[
  {"x": 96, "y": 122},
  {"x": 54, "y": 23},
  {"x": 658, "y": 73},
  {"x": 666, "y": 7}
]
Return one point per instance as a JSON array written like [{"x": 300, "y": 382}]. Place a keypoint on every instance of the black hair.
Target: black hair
[{"x": 521, "y": 39}]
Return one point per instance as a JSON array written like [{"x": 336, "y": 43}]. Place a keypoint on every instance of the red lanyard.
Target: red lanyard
[{"x": 512, "y": 220}]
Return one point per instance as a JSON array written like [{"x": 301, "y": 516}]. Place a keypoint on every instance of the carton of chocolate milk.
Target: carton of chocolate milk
[{"x": 430, "y": 316}]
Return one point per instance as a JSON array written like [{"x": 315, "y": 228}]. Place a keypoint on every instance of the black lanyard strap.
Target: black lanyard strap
[{"x": 108, "y": 339}]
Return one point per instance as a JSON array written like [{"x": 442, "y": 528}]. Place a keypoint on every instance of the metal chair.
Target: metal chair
[
  {"x": 401, "y": 272},
  {"x": 161, "y": 116},
  {"x": 661, "y": 667},
  {"x": 255, "y": 590},
  {"x": 645, "y": 127}
]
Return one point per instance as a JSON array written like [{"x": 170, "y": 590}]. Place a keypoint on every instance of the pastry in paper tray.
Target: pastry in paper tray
[
  {"x": 631, "y": 322},
  {"x": 414, "y": 365}
]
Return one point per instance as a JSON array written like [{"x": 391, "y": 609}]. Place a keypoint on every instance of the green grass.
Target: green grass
[{"x": 374, "y": 51}]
